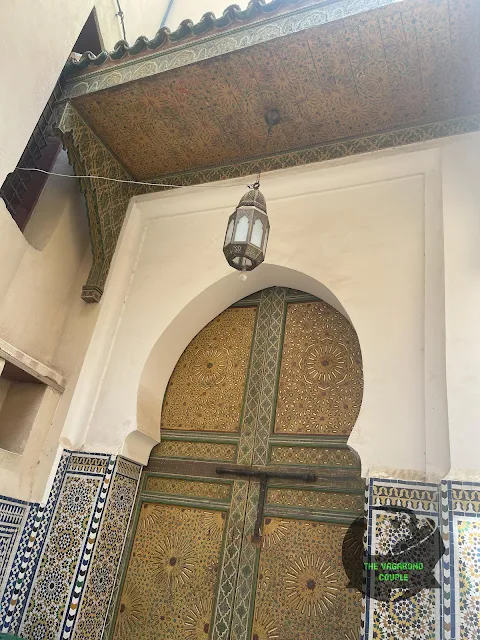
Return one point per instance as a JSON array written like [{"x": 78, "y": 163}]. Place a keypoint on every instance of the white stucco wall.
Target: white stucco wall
[
  {"x": 29, "y": 68},
  {"x": 42, "y": 314},
  {"x": 461, "y": 203},
  {"x": 367, "y": 231}
]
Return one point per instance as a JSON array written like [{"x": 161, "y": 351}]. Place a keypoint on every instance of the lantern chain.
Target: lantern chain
[{"x": 256, "y": 184}]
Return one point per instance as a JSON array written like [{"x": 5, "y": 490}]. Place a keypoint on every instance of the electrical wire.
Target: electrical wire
[
  {"x": 147, "y": 184},
  {"x": 121, "y": 15}
]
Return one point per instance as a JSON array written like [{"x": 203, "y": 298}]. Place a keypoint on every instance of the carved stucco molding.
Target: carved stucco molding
[{"x": 106, "y": 201}]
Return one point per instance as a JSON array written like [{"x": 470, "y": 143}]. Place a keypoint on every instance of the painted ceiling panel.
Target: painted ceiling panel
[{"x": 409, "y": 63}]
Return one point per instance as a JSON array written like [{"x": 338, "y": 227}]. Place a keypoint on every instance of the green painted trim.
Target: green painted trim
[
  {"x": 174, "y": 476},
  {"x": 319, "y": 467},
  {"x": 247, "y": 377},
  {"x": 246, "y": 303},
  {"x": 187, "y": 459},
  {"x": 315, "y": 442},
  {"x": 213, "y": 437},
  {"x": 196, "y": 502},
  {"x": 221, "y": 556},
  {"x": 251, "y": 613},
  {"x": 182, "y": 37},
  {"x": 296, "y": 513},
  {"x": 315, "y": 487},
  {"x": 127, "y": 552},
  {"x": 277, "y": 374},
  {"x": 304, "y": 298}
]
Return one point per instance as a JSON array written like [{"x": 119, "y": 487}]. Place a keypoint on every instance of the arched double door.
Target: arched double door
[{"x": 243, "y": 507}]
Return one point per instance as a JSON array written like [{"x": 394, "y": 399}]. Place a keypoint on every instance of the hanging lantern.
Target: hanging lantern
[
  {"x": 247, "y": 232},
  {"x": 248, "y": 226}
]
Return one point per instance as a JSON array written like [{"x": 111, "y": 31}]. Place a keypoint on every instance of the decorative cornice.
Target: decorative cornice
[
  {"x": 230, "y": 18},
  {"x": 164, "y": 59},
  {"x": 329, "y": 151}
]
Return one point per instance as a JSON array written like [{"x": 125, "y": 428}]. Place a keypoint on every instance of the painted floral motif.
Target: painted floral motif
[
  {"x": 273, "y": 531},
  {"x": 151, "y": 515},
  {"x": 130, "y": 613},
  {"x": 264, "y": 628},
  {"x": 210, "y": 366},
  {"x": 321, "y": 382},
  {"x": 312, "y": 585},
  {"x": 324, "y": 363},
  {"x": 198, "y": 621},
  {"x": 173, "y": 560},
  {"x": 214, "y": 523},
  {"x": 173, "y": 568},
  {"x": 206, "y": 388}
]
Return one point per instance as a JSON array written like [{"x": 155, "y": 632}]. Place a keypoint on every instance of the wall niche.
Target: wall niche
[{"x": 21, "y": 395}]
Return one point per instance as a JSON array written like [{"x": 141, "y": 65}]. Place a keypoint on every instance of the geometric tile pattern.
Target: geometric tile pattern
[
  {"x": 83, "y": 567},
  {"x": 29, "y": 551},
  {"x": 49, "y": 585},
  {"x": 418, "y": 617},
  {"x": 107, "y": 551},
  {"x": 461, "y": 572},
  {"x": 55, "y": 577},
  {"x": 12, "y": 515}
]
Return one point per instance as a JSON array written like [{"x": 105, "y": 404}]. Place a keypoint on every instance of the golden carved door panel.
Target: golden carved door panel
[{"x": 271, "y": 387}]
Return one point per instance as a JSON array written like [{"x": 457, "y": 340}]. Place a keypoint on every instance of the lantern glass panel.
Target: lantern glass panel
[
  {"x": 241, "y": 231},
  {"x": 265, "y": 240},
  {"x": 257, "y": 233},
  {"x": 228, "y": 237}
]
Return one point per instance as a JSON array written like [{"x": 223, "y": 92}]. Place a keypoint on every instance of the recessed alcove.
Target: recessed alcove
[{"x": 21, "y": 395}]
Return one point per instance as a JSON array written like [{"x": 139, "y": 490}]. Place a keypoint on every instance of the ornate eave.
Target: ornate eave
[
  {"x": 406, "y": 72},
  {"x": 209, "y": 46},
  {"x": 209, "y": 24}
]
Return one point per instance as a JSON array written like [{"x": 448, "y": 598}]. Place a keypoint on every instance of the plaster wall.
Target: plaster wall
[
  {"x": 29, "y": 69},
  {"x": 461, "y": 205},
  {"x": 42, "y": 314},
  {"x": 365, "y": 234}
]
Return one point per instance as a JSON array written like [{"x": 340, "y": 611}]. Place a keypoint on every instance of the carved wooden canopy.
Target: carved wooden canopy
[{"x": 346, "y": 77}]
